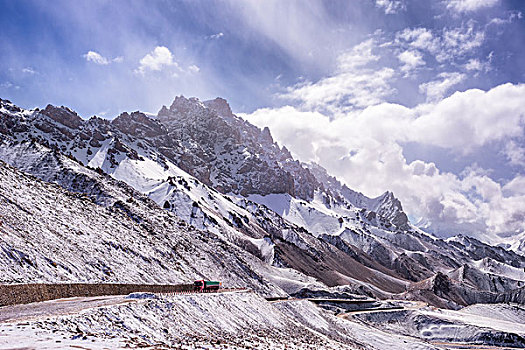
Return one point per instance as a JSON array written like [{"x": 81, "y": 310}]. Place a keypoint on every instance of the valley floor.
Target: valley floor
[{"x": 243, "y": 320}]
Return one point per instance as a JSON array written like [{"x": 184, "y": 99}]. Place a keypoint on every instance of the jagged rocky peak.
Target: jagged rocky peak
[
  {"x": 183, "y": 105},
  {"x": 63, "y": 115},
  {"x": 389, "y": 207},
  {"x": 221, "y": 106},
  {"x": 182, "y": 108},
  {"x": 222, "y": 149},
  {"x": 164, "y": 111},
  {"x": 266, "y": 136},
  {"x": 186, "y": 107}
]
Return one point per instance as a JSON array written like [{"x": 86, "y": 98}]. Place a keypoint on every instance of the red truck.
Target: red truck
[{"x": 204, "y": 286}]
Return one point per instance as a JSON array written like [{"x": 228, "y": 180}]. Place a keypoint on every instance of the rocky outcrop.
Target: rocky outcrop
[{"x": 64, "y": 116}]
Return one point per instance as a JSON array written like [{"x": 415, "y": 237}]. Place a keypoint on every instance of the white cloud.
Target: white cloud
[
  {"x": 469, "y": 5},
  {"x": 419, "y": 38},
  {"x": 459, "y": 41},
  {"x": 95, "y": 57},
  {"x": 353, "y": 84},
  {"x": 472, "y": 118},
  {"x": 411, "y": 59},
  {"x": 193, "y": 68},
  {"x": 475, "y": 65},
  {"x": 160, "y": 58},
  {"x": 391, "y": 6},
  {"x": 445, "y": 45},
  {"x": 216, "y": 36},
  {"x": 501, "y": 21},
  {"x": 515, "y": 153},
  {"x": 28, "y": 70},
  {"x": 515, "y": 187},
  {"x": 371, "y": 142},
  {"x": 436, "y": 89}
]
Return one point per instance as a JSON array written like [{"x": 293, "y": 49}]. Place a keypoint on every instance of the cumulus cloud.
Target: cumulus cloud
[
  {"x": 515, "y": 187},
  {"x": 515, "y": 153},
  {"x": 158, "y": 59},
  {"x": 371, "y": 142},
  {"x": 469, "y": 5},
  {"x": 353, "y": 85},
  {"x": 436, "y": 89},
  {"x": 411, "y": 59},
  {"x": 391, "y": 6},
  {"x": 471, "y": 119}
]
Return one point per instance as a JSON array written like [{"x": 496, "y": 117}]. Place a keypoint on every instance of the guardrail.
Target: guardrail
[{"x": 11, "y": 294}]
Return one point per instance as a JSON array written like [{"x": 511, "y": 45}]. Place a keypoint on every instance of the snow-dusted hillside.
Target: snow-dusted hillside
[
  {"x": 221, "y": 321},
  {"x": 50, "y": 234},
  {"x": 246, "y": 321}
]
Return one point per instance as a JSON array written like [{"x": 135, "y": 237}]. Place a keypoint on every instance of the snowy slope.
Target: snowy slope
[
  {"x": 472, "y": 325},
  {"x": 214, "y": 321},
  {"x": 246, "y": 321},
  {"x": 49, "y": 234}
]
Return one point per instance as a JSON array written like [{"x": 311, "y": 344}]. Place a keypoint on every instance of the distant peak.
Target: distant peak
[{"x": 163, "y": 111}]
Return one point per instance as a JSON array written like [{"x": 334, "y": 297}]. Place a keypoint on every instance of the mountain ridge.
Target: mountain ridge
[{"x": 222, "y": 175}]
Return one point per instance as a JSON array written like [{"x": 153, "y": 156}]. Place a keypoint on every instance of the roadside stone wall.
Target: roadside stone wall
[{"x": 11, "y": 294}]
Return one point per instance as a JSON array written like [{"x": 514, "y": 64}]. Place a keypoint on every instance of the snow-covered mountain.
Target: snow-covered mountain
[{"x": 293, "y": 225}]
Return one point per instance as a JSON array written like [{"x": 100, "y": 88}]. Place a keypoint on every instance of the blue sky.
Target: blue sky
[
  {"x": 247, "y": 52},
  {"x": 425, "y": 98}
]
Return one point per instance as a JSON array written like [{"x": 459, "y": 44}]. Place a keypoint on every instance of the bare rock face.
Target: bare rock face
[
  {"x": 64, "y": 116},
  {"x": 221, "y": 106}
]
